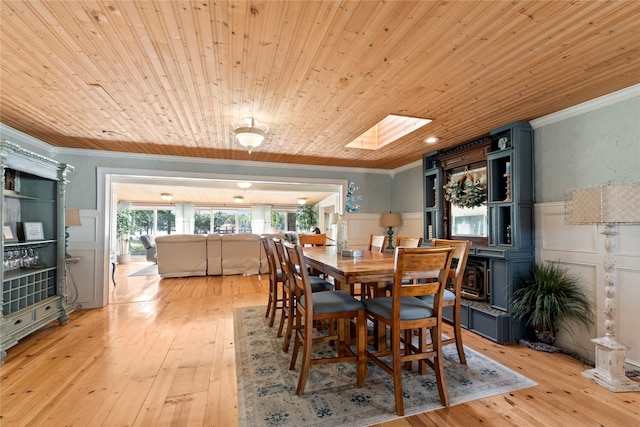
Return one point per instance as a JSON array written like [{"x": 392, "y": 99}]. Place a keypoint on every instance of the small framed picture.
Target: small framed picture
[
  {"x": 33, "y": 231},
  {"x": 9, "y": 235}
]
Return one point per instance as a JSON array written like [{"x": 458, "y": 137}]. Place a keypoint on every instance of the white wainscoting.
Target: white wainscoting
[
  {"x": 361, "y": 225},
  {"x": 89, "y": 275},
  {"x": 580, "y": 248}
]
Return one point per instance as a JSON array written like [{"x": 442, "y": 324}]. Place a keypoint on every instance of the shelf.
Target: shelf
[
  {"x": 35, "y": 243},
  {"x": 24, "y": 272}
]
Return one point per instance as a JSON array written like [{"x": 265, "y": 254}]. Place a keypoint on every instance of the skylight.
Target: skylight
[{"x": 389, "y": 129}]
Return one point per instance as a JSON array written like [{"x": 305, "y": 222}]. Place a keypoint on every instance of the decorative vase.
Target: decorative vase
[{"x": 341, "y": 240}]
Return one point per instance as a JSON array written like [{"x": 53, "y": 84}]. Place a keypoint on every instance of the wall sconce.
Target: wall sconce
[{"x": 249, "y": 132}]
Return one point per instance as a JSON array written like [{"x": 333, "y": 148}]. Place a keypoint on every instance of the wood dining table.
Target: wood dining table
[{"x": 371, "y": 268}]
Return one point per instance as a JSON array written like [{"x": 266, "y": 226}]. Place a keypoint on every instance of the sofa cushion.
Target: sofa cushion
[
  {"x": 214, "y": 255},
  {"x": 182, "y": 255},
  {"x": 241, "y": 254}
]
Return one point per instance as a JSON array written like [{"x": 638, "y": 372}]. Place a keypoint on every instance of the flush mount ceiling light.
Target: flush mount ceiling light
[
  {"x": 244, "y": 185},
  {"x": 249, "y": 132},
  {"x": 167, "y": 197},
  {"x": 238, "y": 199},
  {"x": 389, "y": 129},
  {"x": 431, "y": 140},
  {"x": 302, "y": 201}
]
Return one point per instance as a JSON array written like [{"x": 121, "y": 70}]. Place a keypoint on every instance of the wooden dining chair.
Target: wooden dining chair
[
  {"x": 312, "y": 239},
  {"x": 402, "y": 313},
  {"x": 408, "y": 242},
  {"x": 451, "y": 297},
  {"x": 276, "y": 301},
  {"x": 405, "y": 242},
  {"x": 377, "y": 242},
  {"x": 318, "y": 284},
  {"x": 323, "y": 306}
]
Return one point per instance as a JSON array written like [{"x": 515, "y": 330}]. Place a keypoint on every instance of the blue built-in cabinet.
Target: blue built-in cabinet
[{"x": 508, "y": 249}]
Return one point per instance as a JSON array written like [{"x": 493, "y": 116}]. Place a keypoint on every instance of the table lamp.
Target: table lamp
[
  {"x": 609, "y": 205},
  {"x": 390, "y": 220},
  {"x": 71, "y": 219}
]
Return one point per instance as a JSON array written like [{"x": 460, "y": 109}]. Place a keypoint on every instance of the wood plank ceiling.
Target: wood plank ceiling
[{"x": 169, "y": 77}]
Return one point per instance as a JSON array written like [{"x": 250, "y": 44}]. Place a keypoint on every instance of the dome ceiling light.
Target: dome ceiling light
[
  {"x": 302, "y": 201},
  {"x": 167, "y": 197},
  {"x": 249, "y": 132},
  {"x": 238, "y": 199},
  {"x": 244, "y": 185}
]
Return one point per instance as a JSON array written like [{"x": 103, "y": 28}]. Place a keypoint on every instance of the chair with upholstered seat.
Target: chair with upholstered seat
[
  {"x": 148, "y": 242},
  {"x": 312, "y": 307},
  {"x": 318, "y": 284},
  {"x": 451, "y": 298},
  {"x": 405, "y": 242},
  {"x": 402, "y": 313},
  {"x": 275, "y": 301}
]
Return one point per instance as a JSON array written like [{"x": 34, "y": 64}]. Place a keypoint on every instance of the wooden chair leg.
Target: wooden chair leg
[
  {"x": 397, "y": 373},
  {"x": 361, "y": 345},
  {"x": 458, "y": 332},
  {"x": 285, "y": 314},
  {"x": 438, "y": 367},
  {"x": 306, "y": 358},
  {"x": 289, "y": 329}
]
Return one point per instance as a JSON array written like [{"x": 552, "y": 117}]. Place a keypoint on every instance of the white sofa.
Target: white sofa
[{"x": 183, "y": 255}]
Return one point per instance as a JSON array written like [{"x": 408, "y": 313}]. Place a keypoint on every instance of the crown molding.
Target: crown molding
[{"x": 585, "y": 107}]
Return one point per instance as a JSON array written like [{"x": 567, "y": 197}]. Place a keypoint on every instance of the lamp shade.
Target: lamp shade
[
  {"x": 390, "y": 219},
  {"x": 72, "y": 217},
  {"x": 605, "y": 204}
]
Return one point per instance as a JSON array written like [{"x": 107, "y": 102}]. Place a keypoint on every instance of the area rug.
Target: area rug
[
  {"x": 150, "y": 270},
  {"x": 266, "y": 386}
]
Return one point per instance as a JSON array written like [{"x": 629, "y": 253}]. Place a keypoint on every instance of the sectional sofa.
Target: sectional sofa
[{"x": 184, "y": 255}]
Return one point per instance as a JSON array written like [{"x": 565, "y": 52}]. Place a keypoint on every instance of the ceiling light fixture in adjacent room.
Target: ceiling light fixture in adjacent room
[
  {"x": 238, "y": 199},
  {"x": 167, "y": 197},
  {"x": 249, "y": 132},
  {"x": 244, "y": 185},
  {"x": 302, "y": 201}
]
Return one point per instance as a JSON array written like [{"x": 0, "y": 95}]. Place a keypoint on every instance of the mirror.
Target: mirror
[{"x": 467, "y": 193}]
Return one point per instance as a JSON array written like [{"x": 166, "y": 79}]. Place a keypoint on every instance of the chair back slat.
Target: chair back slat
[
  {"x": 312, "y": 239},
  {"x": 377, "y": 242},
  {"x": 409, "y": 242},
  {"x": 421, "y": 263},
  {"x": 460, "y": 253}
]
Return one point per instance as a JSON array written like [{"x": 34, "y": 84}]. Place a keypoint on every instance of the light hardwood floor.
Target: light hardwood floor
[{"x": 162, "y": 354}]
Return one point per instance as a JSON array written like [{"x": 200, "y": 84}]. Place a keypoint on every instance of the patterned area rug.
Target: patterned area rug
[{"x": 266, "y": 387}]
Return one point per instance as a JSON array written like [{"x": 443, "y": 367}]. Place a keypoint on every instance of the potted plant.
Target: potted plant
[
  {"x": 124, "y": 227},
  {"x": 305, "y": 218},
  {"x": 547, "y": 297}
]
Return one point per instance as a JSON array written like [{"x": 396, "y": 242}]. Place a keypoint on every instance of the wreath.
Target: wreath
[{"x": 466, "y": 192}]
